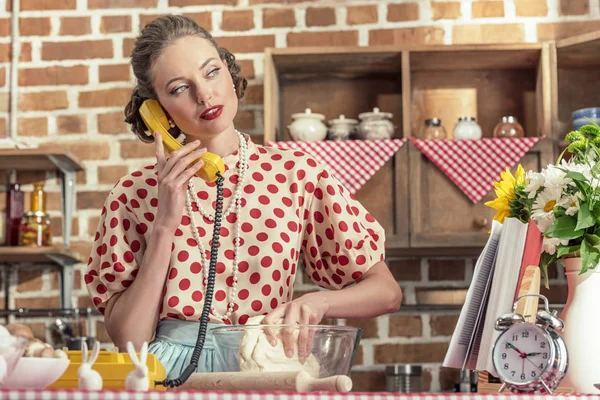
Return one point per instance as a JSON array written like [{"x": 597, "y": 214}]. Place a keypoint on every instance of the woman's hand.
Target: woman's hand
[
  {"x": 173, "y": 176},
  {"x": 305, "y": 310}
]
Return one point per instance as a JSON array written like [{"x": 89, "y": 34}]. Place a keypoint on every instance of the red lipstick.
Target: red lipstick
[{"x": 211, "y": 113}]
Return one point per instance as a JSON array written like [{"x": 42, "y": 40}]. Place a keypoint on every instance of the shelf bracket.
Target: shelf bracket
[
  {"x": 67, "y": 186},
  {"x": 66, "y": 275}
]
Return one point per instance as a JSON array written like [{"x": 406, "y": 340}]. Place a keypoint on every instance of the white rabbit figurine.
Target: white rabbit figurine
[
  {"x": 88, "y": 378},
  {"x": 138, "y": 378}
]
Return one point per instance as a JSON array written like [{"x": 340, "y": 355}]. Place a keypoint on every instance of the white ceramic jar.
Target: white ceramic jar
[
  {"x": 341, "y": 128},
  {"x": 375, "y": 125},
  {"x": 467, "y": 128},
  {"x": 308, "y": 126}
]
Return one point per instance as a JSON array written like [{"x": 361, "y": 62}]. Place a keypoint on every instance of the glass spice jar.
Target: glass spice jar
[
  {"x": 35, "y": 229},
  {"x": 433, "y": 129},
  {"x": 509, "y": 127}
]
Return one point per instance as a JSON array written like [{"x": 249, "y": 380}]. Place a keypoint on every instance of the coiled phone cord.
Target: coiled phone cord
[{"x": 208, "y": 296}]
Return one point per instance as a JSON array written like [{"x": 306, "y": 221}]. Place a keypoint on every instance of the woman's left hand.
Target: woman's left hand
[{"x": 305, "y": 310}]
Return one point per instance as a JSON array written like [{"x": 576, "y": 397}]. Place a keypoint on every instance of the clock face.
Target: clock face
[{"x": 522, "y": 354}]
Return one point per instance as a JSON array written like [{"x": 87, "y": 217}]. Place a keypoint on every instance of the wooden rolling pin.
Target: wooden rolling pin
[{"x": 267, "y": 381}]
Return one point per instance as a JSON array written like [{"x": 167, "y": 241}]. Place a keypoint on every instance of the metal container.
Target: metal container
[
  {"x": 404, "y": 378},
  {"x": 76, "y": 343}
]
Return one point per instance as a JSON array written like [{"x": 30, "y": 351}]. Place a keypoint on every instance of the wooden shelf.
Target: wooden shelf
[
  {"x": 55, "y": 255},
  {"x": 39, "y": 160}
]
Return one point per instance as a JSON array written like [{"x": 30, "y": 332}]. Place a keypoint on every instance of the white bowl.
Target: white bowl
[{"x": 36, "y": 373}]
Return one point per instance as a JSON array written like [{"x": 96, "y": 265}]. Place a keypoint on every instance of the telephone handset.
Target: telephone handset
[{"x": 156, "y": 121}]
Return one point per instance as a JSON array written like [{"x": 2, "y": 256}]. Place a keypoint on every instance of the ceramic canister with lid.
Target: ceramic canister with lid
[
  {"x": 308, "y": 126},
  {"x": 375, "y": 125},
  {"x": 467, "y": 128},
  {"x": 341, "y": 128}
]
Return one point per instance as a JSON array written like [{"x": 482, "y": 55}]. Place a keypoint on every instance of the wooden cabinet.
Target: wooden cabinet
[{"x": 418, "y": 205}]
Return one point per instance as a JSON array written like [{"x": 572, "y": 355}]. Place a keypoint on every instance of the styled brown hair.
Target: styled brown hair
[{"x": 149, "y": 45}]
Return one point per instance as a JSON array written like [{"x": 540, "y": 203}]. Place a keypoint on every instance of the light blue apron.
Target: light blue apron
[{"x": 174, "y": 345}]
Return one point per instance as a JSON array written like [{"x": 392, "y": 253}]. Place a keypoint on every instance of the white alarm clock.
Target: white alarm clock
[{"x": 530, "y": 357}]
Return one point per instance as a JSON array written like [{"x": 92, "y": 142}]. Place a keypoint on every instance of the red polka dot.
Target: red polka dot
[
  {"x": 243, "y": 294},
  {"x": 277, "y": 247},
  {"x": 243, "y": 319},
  {"x": 311, "y": 162},
  {"x": 274, "y": 303},
  {"x": 142, "y": 193},
  {"x": 105, "y": 265},
  {"x": 114, "y": 206},
  {"x": 272, "y": 188},
  {"x": 278, "y": 212},
  {"x": 276, "y": 275},
  {"x": 336, "y": 279},
  {"x": 178, "y": 232},
  {"x": 262, "y": 199},
  {"x": 109, "y": 277},
  {"x": 329, "y": 233},
  {"x": 220, "y": 268},
  {"x": 246, "y": 227},
  {"x": 266, "y": 166},
  {"x": 97, "y": 300},
  {"x": 229, "y": 254},
  {"x": 154, "y": 202},
  {"x": 134, "y": 203},
  {"x": 220, "y": 295},
  {"x": 262, "y": 236},
  {"x": 270, "y": 223},
  {"x": 266, "y": 262},
  {"x": 257, "y": 176},
  {"x": 195, "y": 267},
  {"x": 369, "y": 218},
  {"x": 254, "y": 278},
  {"x": 343, "y": 260},
  {"x": 256, "y": 305},
  {"x": 287, "y": 201},
  {"x": 249, "y": 189},
  {"x": 266, "y": 290},
  {"x": 318, "y": 217},
  {"x": 114, "y": 222},
  {"x": 188, "y": 311},
  {"x": 284, "y": 236},
  {"x": 286, "y": 264},
  {"x": 197, "y": 295},
  {"x": 253, "y": 250},
  {"x": 118, "y": 267},
  {"x": 128, "y": 183},
  {"x": 173, "y": 301},
  {"x": 185, "y": 220},
  {"x": 373, "y": 245},
  {"x": 128, "y": 256},
  {"x": 243, "y": 266},
  {"x": 255, "y": 213},
  {"x": 151, "y": 182},
  {"x": 172, "y": 273},
  {"x": 183, "y": 256},
  {"x": 88, "y": 279},
  {"x": 141, "y": 228},
  {"x": 343, "y": 226},
  {"x": 184, "y": 284},
  {"x": 113, "y": 240},
  {"x": 300, "y": 174},
  {"x": 101, "y": 289}
]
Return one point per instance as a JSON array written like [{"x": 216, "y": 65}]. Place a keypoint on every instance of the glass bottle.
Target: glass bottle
[
  {"x": 509, "y": 127},
  {"x": 35, "y": 229},
  {"x": 14, "y": 212},
  {"x": 466, "y": 128},
  {"x": 433, "y": 129}
]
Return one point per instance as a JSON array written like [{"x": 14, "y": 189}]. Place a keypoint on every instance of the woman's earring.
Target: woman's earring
[
  {"x": 234, "y": 89},
  {"x": 171, "y": 123}
]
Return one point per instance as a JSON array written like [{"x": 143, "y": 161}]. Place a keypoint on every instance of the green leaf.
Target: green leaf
[
  {"x": 589, "y": 256},
  {"x": 585, "y": 218},
  {"x": 596, "y": 168},
  {"x": 576, "y": 176},
  {"x": 593, "y": 240},
  {"x": 596, "y": 211},
  {"x": 564, "y": 228},
  {"x": 559, "y": 211},
  {"x": 545, "y": 260},
  {"x": 565, "y": 249}
]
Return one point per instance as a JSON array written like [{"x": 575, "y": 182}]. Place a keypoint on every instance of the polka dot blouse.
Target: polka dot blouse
[{"x": 292, "y": 209}]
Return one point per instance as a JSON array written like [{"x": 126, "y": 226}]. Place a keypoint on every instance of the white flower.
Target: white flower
[
  {"x": 544, "y": 222},
  {"x": 549, "y": 244},
  {"x": 555, "y": 178},
  {"x": 545, "y": 202},
  {"x": 535, "y": 181},
  {"x": 571, "y": 204}
]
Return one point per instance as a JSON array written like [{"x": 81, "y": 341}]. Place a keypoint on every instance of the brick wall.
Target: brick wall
[{"x": 74, "y": 80}]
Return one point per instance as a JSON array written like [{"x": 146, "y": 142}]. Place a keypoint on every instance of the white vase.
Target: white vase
[{"x": 582, "y": 327}]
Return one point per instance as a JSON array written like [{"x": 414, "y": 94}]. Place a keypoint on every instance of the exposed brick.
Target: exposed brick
[
  {"x": 446, "y": 270},
  {"x": 237, "y": 20},
  {"x": 54, "y": 75},
  {"x": 85, "y": 302},
  {"x": 80, "y": 50},
  {"x": 560, "y": 30},
  {"x": 101, "y": 334},
  {"x": 115, "y": 24},
  {"x": 2, "y": 76},
  {"x": 443, "y": 325},
  {"x": 405, "y": 325},
  {"x": 358, "y": 358},
  {"x": 76, "y": 280},
  {"x": 105, "y": 98},
  {"x": 111, "y": 174},
  {"x": 369, "y": 326},
  {"x": 75, "y": 26},
  {"x": 2, "y": 134},
  {"x": 250, "y": 44},
  {"x": 114, "y": 73},
  {"x": 254, "y": 95},
  {"x": 488, "y": 33},
  {"x": 403, "y": 36},
  {"x": 336, "y": 38},
  {"x": 253, "y": 2},
  {"x": 57, "y": 228},
  {"x": 122, "y": 4},
  {"x": 82, "y": 249},
  {"x": 90, "y": 200},
  {"x": 84, "y": 150},
  {"x": 531, "y": 8},
  {"x": 38, "y": 302},
  {"x": 5, "y": 52},
  {"x": 145, "y": 19},
  {"x": 184, "y": 3},
  {"x": 489, "y": 9},
  {"x": 574, "y": 7},
  {"x": 203, "y": 19},
  {"x": 278, "y": 18},
  {"x": 128, "y": 47},
  {"x": 403, "y": 12},
  {"x": 445, "y": 10},
  {"x": 37, "y": 126},
  {"x": 34, "y": 26},
  {"x": 41, "y": 5},
  {"x": 29, "y": 280},
  {"x": 368, "y": 381},
  {"x": 358, "y": 15},
  {"x": 408, "y": 269},
  {"x": 320, "y": 16},
  {"x": 410, "y": 353},
  {"x": 247, "y": 68},
  {"x": 94, "y": 221},
  {"x": 25, "y": 54},
  {"x": 136, "y": 149},
  {"x": 112, "y": 123},
  {"x": 67, "y": 124},
  {"x": 244, "y": 120},
  {"x": 4, "y": 27},
  {"x": 43, "y": 101}
]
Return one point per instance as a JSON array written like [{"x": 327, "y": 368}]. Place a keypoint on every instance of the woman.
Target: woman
[{"x": 151, "y": 250}]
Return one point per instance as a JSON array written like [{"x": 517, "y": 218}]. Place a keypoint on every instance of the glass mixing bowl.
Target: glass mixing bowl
[{"x": 247, "y": 348}]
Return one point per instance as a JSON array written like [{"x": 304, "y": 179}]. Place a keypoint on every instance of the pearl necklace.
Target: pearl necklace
[{"x": 235, "y": 206}]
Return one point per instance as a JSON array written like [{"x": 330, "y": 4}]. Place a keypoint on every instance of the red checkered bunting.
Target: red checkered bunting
[
  {"x": 353, "y": 162},
  {"x": 474, "y": 165}
]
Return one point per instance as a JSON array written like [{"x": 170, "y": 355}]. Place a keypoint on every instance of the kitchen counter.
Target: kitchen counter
[{"x": 63, "y": 394}]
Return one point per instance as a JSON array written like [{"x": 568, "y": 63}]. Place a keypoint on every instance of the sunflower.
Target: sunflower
[{"x": 508, "y": 189}]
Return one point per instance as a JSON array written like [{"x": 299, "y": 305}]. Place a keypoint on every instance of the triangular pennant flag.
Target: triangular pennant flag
[
  {"x": 353, "y": 162},
  {"x": 475, "y": 164}
]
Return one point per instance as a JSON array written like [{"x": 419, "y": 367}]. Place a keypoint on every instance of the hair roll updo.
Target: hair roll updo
[{"x": 149, "y": 45}]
